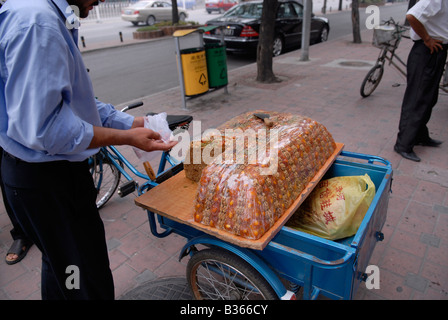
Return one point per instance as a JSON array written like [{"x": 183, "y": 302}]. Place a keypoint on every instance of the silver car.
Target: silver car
[{"x": 151, "y": 12}]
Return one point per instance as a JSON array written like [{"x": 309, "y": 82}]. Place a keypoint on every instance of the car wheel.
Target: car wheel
[
  {"x": 151, "y": 20},
  {"x": 277, "y": 47},
  {"x": 135, "y": 23},
  {"x": 323, "y": 34},
  {"x": 182, "y": 17},
  {"x": 209, "y": 11}
]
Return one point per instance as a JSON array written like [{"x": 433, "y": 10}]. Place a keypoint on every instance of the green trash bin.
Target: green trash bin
[{"x": 216, "y": 64}]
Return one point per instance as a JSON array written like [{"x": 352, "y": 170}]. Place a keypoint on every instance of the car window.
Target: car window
[
  {"x": 141, "y": 4},
  {"x": 298, "y": 8},
  {"x": 166, "y": 4},
  {"x": 246, "y": 11},
  {"x": 285, "y": 11}
]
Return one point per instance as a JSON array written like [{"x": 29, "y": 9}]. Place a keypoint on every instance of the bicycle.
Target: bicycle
[
  {"x": 387, "y": 37},
  {"x": 444, "y": 83},
  {"x": 109, "y": 165}
]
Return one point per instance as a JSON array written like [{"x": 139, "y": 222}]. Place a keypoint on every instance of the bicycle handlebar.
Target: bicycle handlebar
[
  {"x": 132, "y": 106},
  {"x": 400, "y": 27}
]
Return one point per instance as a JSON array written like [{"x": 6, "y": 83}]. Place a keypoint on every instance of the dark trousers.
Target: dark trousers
[
  {"x": 16, "y": 231},
  {"x": 424, "y": 71},
  {"x": 54, "y": 202}
]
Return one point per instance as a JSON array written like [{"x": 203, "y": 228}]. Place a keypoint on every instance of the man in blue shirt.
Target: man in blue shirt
[
  {"x": 50, "y": 123},
  {"x": 21, "y": 244}
]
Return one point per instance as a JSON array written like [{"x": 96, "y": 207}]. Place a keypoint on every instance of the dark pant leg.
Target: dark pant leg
[
  {"x": 16, "y": 231},
  {"x": 424, "y": 71},
  {"x": 55, "y": 204}
]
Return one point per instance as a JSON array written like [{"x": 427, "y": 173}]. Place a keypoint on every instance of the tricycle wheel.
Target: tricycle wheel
[{"x": 217, "y": 274}]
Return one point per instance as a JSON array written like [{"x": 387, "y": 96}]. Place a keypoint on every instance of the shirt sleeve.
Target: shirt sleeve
[
  {"x": 39, "y": 95},
  {"x": 112, "y": 118},
  {"x": 425, "y": 9}
]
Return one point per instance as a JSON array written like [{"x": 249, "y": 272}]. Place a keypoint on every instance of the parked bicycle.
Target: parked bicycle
[
  {"x": 109, "y": 165},
  {"x": 387, "y": 37}
]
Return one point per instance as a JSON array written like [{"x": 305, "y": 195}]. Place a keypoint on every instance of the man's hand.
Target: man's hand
[
  {"x": 149, "y": 140},
  {"x": 139, "y": 137},
  {"x": 153, "y": 138},
  {"x": 434, "y": 45}
]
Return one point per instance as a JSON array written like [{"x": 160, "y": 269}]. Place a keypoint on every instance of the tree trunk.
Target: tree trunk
[
  {"x": 175, "y": 12},
  {"x": 355, "y": 22},
  {"x": 324, "y": 8},
  {"x": 265, "y": 43}
]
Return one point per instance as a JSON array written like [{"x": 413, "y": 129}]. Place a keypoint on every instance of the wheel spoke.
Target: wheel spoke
[
  {"x": 216, "y": 280},
  {"x": 106, "y": 178},
  {"x": 215, "y": 273}
]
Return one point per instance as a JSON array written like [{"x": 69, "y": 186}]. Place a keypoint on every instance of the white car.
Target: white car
[{"x": 151, "y": 12}]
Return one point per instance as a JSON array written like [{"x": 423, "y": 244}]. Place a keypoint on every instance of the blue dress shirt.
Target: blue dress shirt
[{"x": 47, "y": 104}]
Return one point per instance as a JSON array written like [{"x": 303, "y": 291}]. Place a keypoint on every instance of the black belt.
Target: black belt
[{"x": 444, "y": 45}]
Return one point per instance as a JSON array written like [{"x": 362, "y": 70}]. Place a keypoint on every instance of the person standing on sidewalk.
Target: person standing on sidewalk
[
  {"x": 50, "y": 124},
  {"x": 429, "y": 22},
  {"x": 21, "y": 243}
]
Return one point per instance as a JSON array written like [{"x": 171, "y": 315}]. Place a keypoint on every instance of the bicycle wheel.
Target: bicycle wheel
[
  {"x": 372, "y": 80},
  {"x": 106, "y": 178},
  {"x": 444, "y": 81},
  {"x": 216, "y": 274}
]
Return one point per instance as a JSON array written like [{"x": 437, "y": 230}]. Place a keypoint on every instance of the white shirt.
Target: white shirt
[{"x": 433, "y": 14}]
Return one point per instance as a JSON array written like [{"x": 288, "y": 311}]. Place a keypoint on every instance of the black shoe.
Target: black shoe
[
  {"x": 407, "y": 155},
  {"x": 429, "y": 143}
]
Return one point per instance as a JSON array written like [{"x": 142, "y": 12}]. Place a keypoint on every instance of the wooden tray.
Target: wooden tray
[{"x": 174, "y": 199}]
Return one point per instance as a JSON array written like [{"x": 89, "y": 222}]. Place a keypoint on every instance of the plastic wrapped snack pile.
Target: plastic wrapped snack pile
[{"x": 254, "y": 172}]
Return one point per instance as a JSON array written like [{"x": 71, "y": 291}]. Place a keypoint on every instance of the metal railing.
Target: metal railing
[
  {"x": 112, "y": 9},
  {"x": 108, "y": 9}
]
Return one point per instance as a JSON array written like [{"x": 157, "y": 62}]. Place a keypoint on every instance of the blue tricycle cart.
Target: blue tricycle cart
[{"x": 289, "y": 261}]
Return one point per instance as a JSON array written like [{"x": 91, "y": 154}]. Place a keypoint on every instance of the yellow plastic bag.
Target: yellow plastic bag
[{"x": 335, "y": 208}]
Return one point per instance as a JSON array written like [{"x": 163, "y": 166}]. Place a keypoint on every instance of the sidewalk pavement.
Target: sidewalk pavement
[{"x": 412, "y": 259}]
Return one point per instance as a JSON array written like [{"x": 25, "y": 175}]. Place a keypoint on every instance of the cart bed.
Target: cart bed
[{"x": 332, "y": 268}]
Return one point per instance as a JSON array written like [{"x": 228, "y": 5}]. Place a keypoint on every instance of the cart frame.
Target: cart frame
[{"x": 334, "y": 269}]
